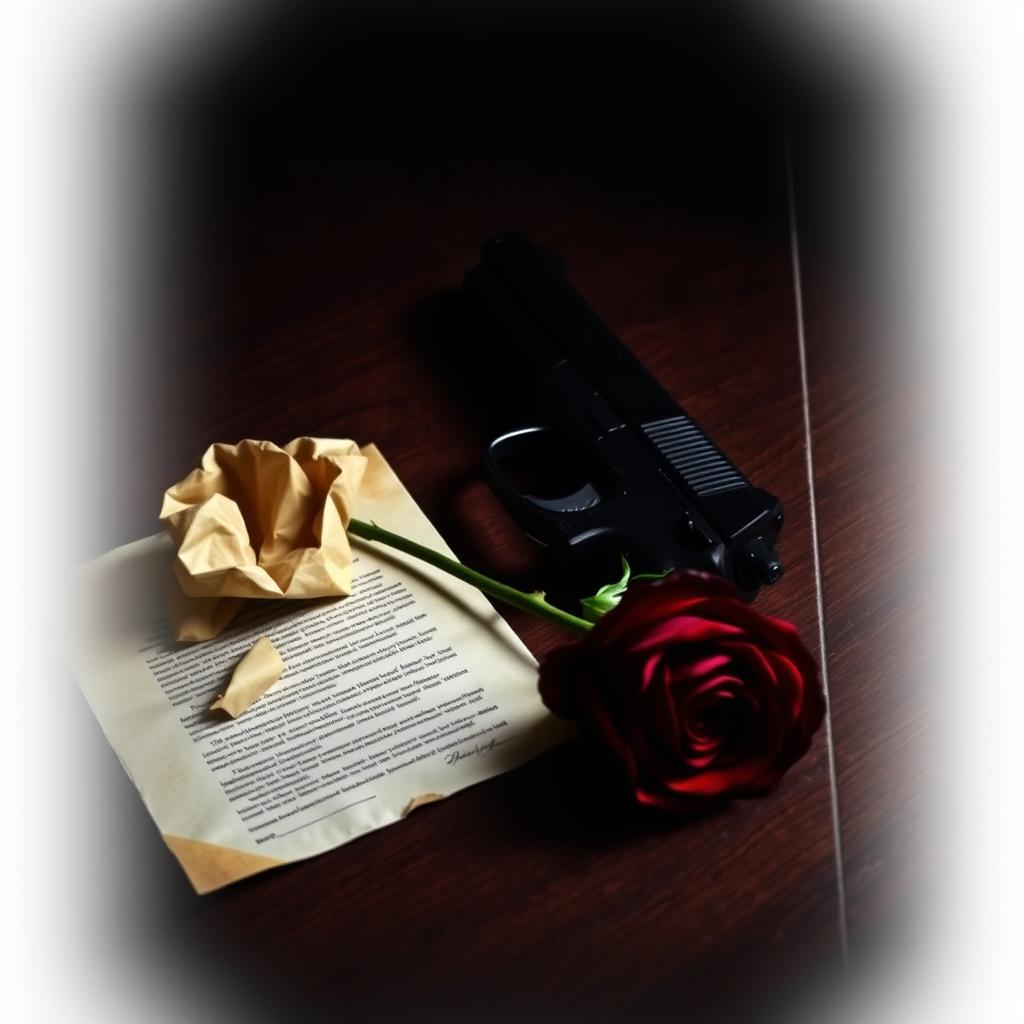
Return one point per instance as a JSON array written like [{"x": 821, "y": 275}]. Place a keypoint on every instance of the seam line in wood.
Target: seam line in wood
[{"x": 801, "y": 342}]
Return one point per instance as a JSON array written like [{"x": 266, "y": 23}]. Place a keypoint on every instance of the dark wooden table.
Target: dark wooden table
[{"x": 322, "y": 211}]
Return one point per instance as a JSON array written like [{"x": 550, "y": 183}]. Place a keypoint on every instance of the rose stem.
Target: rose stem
[{"x": 533, "y": 603}]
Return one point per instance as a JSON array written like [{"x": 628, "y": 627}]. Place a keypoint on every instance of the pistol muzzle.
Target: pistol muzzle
[{"x": 759, "y": 563}]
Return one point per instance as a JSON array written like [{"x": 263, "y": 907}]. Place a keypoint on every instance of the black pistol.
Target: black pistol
[{"x": 610, "y": 464}]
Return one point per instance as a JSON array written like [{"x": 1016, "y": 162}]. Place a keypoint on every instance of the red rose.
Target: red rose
[{"x": 696, "y": 695}]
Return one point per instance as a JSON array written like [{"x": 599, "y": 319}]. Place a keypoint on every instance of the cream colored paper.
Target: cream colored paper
[
  {"x": 253, "y": 676},
  {"x": 259, "y": 521},
  {"x": 407, "y": 691}
]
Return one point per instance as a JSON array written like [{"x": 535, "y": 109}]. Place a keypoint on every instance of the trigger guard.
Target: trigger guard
[
  {"x": 585, "y": 497},
  {"x": 513, "y": 439}
]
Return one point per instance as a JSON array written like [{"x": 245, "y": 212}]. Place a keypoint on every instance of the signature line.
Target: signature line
[{"x": 306, "y": 824}]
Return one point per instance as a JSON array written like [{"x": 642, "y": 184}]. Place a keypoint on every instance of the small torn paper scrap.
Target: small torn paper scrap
[{"x": 255, "y": 674}]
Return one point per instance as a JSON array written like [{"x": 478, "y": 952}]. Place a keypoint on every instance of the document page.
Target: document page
[{"x": 404, "y": 692}]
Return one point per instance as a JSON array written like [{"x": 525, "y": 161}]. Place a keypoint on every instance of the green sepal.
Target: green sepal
[
  {"x": 611, "y": 593},
  {"x": 607, "y": 597}
]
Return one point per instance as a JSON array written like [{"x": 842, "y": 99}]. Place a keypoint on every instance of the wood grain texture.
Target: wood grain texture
[{"x": 303, "y": 298}]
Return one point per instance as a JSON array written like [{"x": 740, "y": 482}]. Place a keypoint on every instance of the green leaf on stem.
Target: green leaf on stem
[{"x": 611, "y": 594}]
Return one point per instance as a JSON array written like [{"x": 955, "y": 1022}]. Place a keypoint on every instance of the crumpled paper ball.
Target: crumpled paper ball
[{"x": 259, "y": 521}]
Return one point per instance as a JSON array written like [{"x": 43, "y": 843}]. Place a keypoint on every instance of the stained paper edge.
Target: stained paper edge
[{"x": 209, "y": 866}]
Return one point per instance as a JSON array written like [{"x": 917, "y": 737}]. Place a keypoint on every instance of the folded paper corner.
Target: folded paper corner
[{"x": 210, "y": 866}]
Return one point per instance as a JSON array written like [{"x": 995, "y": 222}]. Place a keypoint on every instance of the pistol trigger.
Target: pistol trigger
[{"x": 586, "y": 497}]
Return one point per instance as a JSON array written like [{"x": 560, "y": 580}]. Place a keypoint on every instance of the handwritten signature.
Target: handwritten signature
[{"x": 455, "y": 756}]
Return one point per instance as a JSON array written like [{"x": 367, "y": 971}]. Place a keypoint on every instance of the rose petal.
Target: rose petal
[
  {"x": 690, "y": 670},
  {"x": 682, "y": 630},
  {"x": 758, "y": 668},
  {"x": 713, "y": 663},
  {"x": 791, "y": 683},
  {"x": 774, "y": 727},
  {"x": 649, "y": 755},
  {"x": 597, "y": 715},
  {"x": 651, "y": 671},
  {"x": 678, "y": 804},
  {"x": 688, "y": 699},
  {"x": 778, "y": 679},
  {"x": 716, "y": 782},
  {"x": 661, "y": 712},
  {"x": 738, "y": 613}
]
